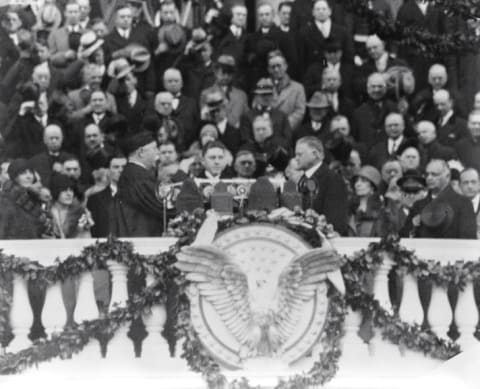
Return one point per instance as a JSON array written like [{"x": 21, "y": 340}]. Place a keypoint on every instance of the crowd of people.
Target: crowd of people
[{"x": 378, "y": 136}]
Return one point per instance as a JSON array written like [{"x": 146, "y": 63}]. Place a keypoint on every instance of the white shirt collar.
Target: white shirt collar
[
  {"x": 324, "y": 27},
  {"x": 447, "y": 117},
  {"x": 381, "y": 63},
  {"x": 476, "y": 203},
  {"x": 222, "y": 126},
  {"x": 211, "y": 176},
  {"x": 14, "y": 38},
  {"x": 397, "y": 142},
  {"x": 113, "y": 189},
  {"x": 284, "y": 28},
  {"x": 423, "y": 6},
  {"x": 236, "y": 31},
  {"x": 309, "y": 172},
  {"x": 138, "y": 163}
]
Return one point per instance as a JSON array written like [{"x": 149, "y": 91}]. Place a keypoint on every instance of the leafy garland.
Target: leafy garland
[
  {"x": 425, "y": 42},
  {"x": 185, "y": 227}
]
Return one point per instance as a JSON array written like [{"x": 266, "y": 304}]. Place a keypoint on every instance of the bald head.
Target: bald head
[
  {"x": 53, "y": 138},
  {"x": 375, "y": 47},
  {"x": 437, "y": 76},
  {"x": 426, "y": 131},
  {"x": 376, "y": 86},
  {"x": 93, "y": 136},
  {"x": 172, "y": 80},
  {"x": 443, "y": 101},
  {"x": 163, "y": 103}
]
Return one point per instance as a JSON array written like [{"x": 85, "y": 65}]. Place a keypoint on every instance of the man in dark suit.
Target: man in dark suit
[
  {"x": 450, "y": 126},
  {"x": 319, "y": 112},
  {"x": 470, "y": 186},
  {"x": 443, "y": 213},
  {"x": 261, "y": 42},
  {"x": 468, "y": 149},
  {"x": 215, "y": 162},
  {"x": 185, "y": 109},
  {"x": 369, "y": 116},
  {"x": 313, "y": 37},
  {"x": 137, "y": 211},
  {"x": 432, "y": 148},
  {"x": 391, "y": 146},
  {"x": 9, "y": 51},
  {"x": 324, "y": 191},
  {"x": 100, "y": 203}
]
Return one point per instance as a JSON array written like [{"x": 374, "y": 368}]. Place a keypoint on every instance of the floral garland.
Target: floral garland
[{"x": 309, "y": 225}]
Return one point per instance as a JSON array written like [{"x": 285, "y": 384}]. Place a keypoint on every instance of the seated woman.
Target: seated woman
[{"x": 366, "y": 214}]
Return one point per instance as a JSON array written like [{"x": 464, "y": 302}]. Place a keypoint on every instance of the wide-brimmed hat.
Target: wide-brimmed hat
[
  {"x": 264, "y": 87},
  {"x": 318, "y": 100},
  {"x": 50, "y": 16},
  {"x": 139, "y": 57},
  {"x": 437, "y": 216},
  {"x": 412, "y": 181},
  {"x": 89, "y": 43},
  {"x": 199, "y": 38},
  {"x": 370, "y": 173},
  {"x": 119, "y": 68}
]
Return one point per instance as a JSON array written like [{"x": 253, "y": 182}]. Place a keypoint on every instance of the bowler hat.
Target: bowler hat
[
  {"x": 437, "y": 216},
  {"x": 318, "y": 100},
  {"x": 412, "y": 181},
  {"x": 371, "y": 174},
  {"x": 264, "y": 87}
]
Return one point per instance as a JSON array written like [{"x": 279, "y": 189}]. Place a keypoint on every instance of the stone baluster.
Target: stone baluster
[
  {"x": 86, "y": 307},
  {"x": 380, "y": 285},
  {"x": 54, "y": 314},
  {"x": 439, "y": 312},
  {"x": 411, "y": 310},
  {"x": 355, "y": 352},
  {"x": 155, "y": 344},
  {"x": 21, "y": 315},
  {"x": 466, "y": 317},
  {"x": 119, "y": 347}
]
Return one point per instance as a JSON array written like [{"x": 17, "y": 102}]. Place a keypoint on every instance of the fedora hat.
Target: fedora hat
[
  {"x": 50, "y": 16},
  {"x": 89, "y": 43},
  {"x": 199, "y": 38},
  {"x": 371, "y": 174},
  {"x": 140, "y": 58},
  {"x": 174, "y": 36},
  {"x": 226, "y": 60},
  {"x": 437, "y": 216},
  {"x": 264, "y": 87},
  {"x": 412, "y": 181},
  {"x": 318, "y": 100},
  {"x": 119, "y": 68}
]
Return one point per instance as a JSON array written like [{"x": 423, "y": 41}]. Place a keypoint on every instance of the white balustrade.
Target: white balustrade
[
  {"x": 466, "y": 317},
  {"x": 54, "y": 315},
  {"x": 380, "y": 285},
  {"x": 411, "y": 310},
  {"x": 439, "y": 312},
  {"x": 86, "y": 307},
  {"x": 21, "y": 315}
]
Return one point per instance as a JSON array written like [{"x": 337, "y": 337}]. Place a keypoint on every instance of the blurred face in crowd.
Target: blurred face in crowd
[
  {"x": 206, "y": 53},
  {"x": 437, "y": 76},
  {"x": 148, "y": 155},
  {"x": 100, "y": 28},
  {"x": 116, "y": 168},
  {"x": 163, "y": 103},
  {"x": 239, "y": 16},
  {"x": 224, "y": 75},
  {"x": 375, "y": 47},
  {"x": 98, "y": 57},
  {"x": 474, "y": 125},
  {"x": 333, "y": 56},
  {"x": 93, "y": 136},
  {"x": 340, "y": 125},
  {"x": 264, "y": 99},
  {"x": 331, "y": 81},
  {"x": 245, "y": 165},
  {"x": 72, "y": 169},
  {"x": 391, "y": 170},
  {"x": 321, "y": 11},
  {"x": 136, "y": 9},
  {"x": 41, "y": 77},
  {"x": 53, "y": 138},
  {"x": 168, "y": 13},
  {"x": 262, "y": 129},
  {"x": 363, "y": 187},
  {"x": 172, "y": 81},
  {"x": 318, "y": 114},
  {"x": 98, "y": 101},
  {"x": 208, "y": 135},
  {"x": 25, "y": 179},
  {"x": 42, "y": 104},
  {"x": 162, "y": 135},
  {"x": 214, "y": 160},
  {"x": 354, "y": 163},
  {"x": 470, "y": 183},
  {"x": 65, "y": 197},
  {"x": 442, "y": 101},
  {"x": 277, "y": 67},
  {"x": 265, "y": 15},
  {"x": 394, "y": 125},
  {"x": 11, "y": 22},
  {"x": 124, "y": 18},
  {"x": 476, "y": 102},
  {"x": 284, "y": 15},
  {"x": 376, "y": 87},
  {"x": 72, "y": 14},
  {"x": 307, "y": 156},
  {"x": 426, "y": 132},
  {"x": 84, "y": 6},
  {"x": 293, "y": 172},
  {"x": 437, "y": 176},
  {"x": 42, "y": 52},
  {"x": 130, "y": 82},
  {"x": 410, "y": 159},
  {"x": 167, "y": 154},
  {"x": 93, "y": 77}
]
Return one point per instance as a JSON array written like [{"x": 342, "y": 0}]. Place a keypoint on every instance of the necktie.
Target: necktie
[
  {"x": 131, "y": 100},
  {"x": 302, "y": 188},
  {"x": 393, "y": 147}
]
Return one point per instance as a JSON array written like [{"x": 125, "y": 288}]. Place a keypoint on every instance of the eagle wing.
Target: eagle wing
[
  {"x": 222, "y": 283},
  {"x": 298, "y": 284}
]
